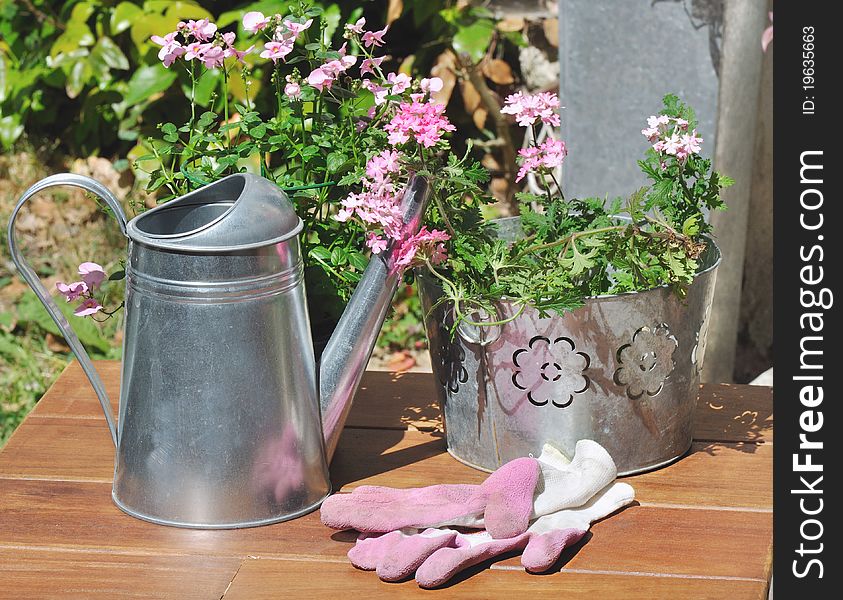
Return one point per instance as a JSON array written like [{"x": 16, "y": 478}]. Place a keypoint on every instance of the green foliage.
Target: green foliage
[{"x": 569, "y": 250}]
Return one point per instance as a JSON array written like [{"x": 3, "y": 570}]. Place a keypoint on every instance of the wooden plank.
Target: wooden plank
[
  {"x": 698, "y": 542},
  {"x": 712, "y": 475},
  {"x": 261, "y": 578},
  {"x": 81, "y": 515},
  {"x": 734, "y": 413},
  {"x": 725, "y": 412},
  {"x": 28, "y": 573},
  {"x": 72, "y": 395},
  {"x": 59, "y": 448}
]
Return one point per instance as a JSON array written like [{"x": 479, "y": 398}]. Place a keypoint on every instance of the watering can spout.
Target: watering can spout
[{"x": 350, "y": 347}]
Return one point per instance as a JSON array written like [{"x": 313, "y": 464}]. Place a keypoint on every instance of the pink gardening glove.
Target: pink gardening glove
[
  {"x": 436, "y": 555},
  {"x": 504, "y": 502}
]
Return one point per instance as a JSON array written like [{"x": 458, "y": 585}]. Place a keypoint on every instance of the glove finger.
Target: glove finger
[
  {"x": 368, "y": 552},
  {"x": 402, "y": 559},
  {"x": 388, "y": 509},
  {"x": 447, "y": 562},
  {"x": 544, "y": 550},
  {"x": 510, "y": 492}
]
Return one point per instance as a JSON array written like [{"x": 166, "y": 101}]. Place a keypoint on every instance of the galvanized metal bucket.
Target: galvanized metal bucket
[{"x": 622, "y": 370}]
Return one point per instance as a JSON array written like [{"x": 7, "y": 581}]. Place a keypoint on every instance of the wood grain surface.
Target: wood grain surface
[{"x": 700, "y": 528}]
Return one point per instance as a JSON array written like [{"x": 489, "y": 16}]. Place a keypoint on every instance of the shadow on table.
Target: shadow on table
[
  {"x": 365, "y": 453},
  {"x": 744, "y": 420}
]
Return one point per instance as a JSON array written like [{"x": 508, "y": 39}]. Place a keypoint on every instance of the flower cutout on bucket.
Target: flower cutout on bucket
[
  {"x": 551, "y": 371},
  {"x": 646, "y": 362}
]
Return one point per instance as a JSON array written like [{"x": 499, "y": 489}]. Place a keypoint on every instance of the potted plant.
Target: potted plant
[
  {"x": 580, "y": 318},
  {"x": 341, "y": 135}
]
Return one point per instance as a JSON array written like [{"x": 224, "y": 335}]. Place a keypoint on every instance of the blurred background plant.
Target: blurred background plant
[{"x": 81, "y": 88}]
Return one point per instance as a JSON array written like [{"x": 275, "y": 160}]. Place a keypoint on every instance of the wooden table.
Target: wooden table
[{"x": 700, "y": 528}]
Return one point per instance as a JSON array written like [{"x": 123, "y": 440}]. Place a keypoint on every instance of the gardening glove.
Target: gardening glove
[
  {"x": 504, "y": 504},
  {"x": 436, "y": 555}
]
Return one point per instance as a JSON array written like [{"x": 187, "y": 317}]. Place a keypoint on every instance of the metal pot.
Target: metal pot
[{"x": 622, "y": 370}]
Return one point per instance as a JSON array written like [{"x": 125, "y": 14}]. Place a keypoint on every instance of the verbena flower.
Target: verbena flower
[
  {"x": 547, "y": 156},
  {"x": 423, "y": 121},
  {"x": 528, "y": 109},
  {"x": 667, "y": 137}
]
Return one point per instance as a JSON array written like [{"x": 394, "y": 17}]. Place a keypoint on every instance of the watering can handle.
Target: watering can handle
[{"x": 99, "y": 190}]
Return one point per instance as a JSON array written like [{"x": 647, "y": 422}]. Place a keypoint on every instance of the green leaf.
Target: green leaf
[
  {"x": 358, "y": 261},
  {"x": 76, "y": 35},
  {"x": 10, "y": 130},
  {"x": 31, "y": 310},
  {"x": 147, "y": 81},
  {"x": 474, "y": 39},
  {"x": 77, "y": 78},
  {"x": 321, "y": 253},
  {"x": 122, "y": 17},
  {"x": 107, "y": 51},
  {"x": 335, "y": 161},
  {"x": 339, "y": 257},
  {"x": 691, "y": 226}
]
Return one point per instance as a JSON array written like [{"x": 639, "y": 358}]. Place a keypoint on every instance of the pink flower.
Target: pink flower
[
  {"x": 672, "y": 145},
  {"x": 195, "y": 50},
  {"x": 292, "y": 89},
  {"x": 357, "y": 27},
  {"x": 691, "y": 143},
  {"x": 379, "y": 91},
  {"x": 92, "y": 274},
  {"x": 425, "y": 122},
  {"x": 651, "y": 133},
  {"x": 72, "y": 291},
  {"x": 296, "y": 28},
  {"x": 171, "y": 48},
  {"x": 255, "y": 21},
  {"x": 376, "y": 243},
  {"x": 374, "y": 38},
  {"x": 767, "y": 36},
  {"x": 325, "y": 75},
  {"x": 527, "y": 109},
  {"x": 213, "y": 56},
  {"x": 657, "y": 122},
  {"x": 545, "y": 157},
  {"x": 230, "y": 50},
  {"x": 88, "y": 307},
  {"x": 202, "y": 30},
  {"x": 424, "y": 245},
  {"x": 277, "y": 50},
  {"x": 382, "y": 165},
  {"x": 433, "y": 85},
  {"x": 400, "y": 82},
  {"x": 369, "y": 65}
]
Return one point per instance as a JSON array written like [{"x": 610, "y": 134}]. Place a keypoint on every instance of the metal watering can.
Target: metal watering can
[{"x": 224, "y": 418}]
